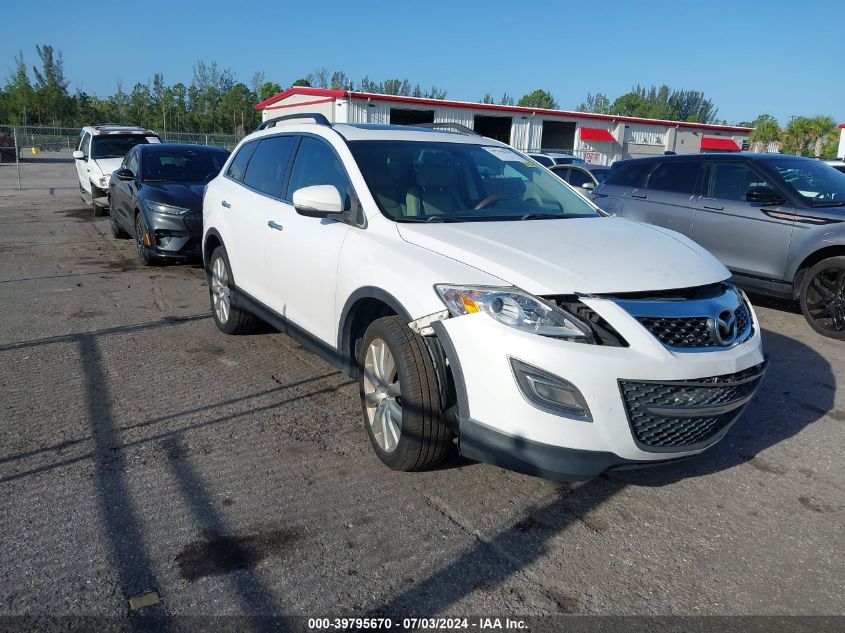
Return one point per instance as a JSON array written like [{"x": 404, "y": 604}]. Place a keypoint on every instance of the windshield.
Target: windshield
[
  {"x": 819, "y": 184},
  {"x": 115, "y": 145},
  {"x": 415, "y": 181},
  {"x": 182, "y": 165}
]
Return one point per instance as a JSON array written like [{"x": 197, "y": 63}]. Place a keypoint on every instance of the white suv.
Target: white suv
[
  {"x": 101, "y": 150},
  {"x": 479, "y": 299}
]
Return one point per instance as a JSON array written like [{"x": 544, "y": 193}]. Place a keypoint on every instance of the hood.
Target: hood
[
  {"x": 585, "y": 255},
  {"x": 187, "y": 195},
  {"x": 107, "y": 165}
]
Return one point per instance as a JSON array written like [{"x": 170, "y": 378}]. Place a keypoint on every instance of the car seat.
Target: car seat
[{"x": 434, "y": 193}]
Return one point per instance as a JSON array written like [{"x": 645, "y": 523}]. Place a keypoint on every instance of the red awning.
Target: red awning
[
  {"x": 596, "y": 134},
  {"x": 719, "y": 143}
]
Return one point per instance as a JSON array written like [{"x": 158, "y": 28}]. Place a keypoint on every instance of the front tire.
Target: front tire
[
  {"x": 116, "y": 230},
  {"x": 98, "y": 211},
  {"x": 143, "y": 242},
  {"x": 822, "y": 297},
  {"x": 230, "y": 318},
  {"x": 400, "y": 397}
]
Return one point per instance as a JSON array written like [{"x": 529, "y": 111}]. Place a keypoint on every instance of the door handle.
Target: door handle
[
  {"x": 273, "y": 225},
  {"x": 713, "y": 207},
  {"x": 226, "y": 204},
  {"x": 639, "y": 195}
]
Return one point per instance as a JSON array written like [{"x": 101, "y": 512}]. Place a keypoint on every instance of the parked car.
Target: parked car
[
  {"x": 155, "y": 196},
  {"x": 8, "y": 152},
  {"x": 777, "y": 222},
  {"x": 480, "y": 301},
  {"x": 838, "y": 165},
  {"x": 585, "y": 177},
  {"x": 101, "y": 149},
  {"x": 547, "y": 159}
]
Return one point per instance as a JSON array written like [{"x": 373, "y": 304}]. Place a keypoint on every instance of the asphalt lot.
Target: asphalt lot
[{"x": 141, "y": 449}]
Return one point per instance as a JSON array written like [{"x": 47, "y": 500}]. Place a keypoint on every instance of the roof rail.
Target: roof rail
[
  {"x": 454, "y": 127},
  {"x": 318, "y": 118}
]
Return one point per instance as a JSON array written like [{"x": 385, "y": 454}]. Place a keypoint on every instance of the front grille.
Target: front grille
[
  {"x": 690, "y": 332},
  {"x": 685, "y": 414},
  {"x": 194, "y": 222}
]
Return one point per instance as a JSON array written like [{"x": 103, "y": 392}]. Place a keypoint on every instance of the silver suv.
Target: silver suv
[{"x": 777, "y": 222}]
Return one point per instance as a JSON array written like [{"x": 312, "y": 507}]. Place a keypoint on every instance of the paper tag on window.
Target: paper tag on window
[
  {"x": 506, "y": 154},
  {"x": 153, "y": 139}
]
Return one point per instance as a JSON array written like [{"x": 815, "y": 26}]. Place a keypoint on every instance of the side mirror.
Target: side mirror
[
  {"x": 124, "y": 174},
  {"x": 77, "y": 155},
  {"x": 318, "y": 201},
  {"x": 764, "y": 195},
  {"x": 589, "y": 186}
]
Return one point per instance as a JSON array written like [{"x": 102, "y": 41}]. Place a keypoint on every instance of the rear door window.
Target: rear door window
[
  {"x": 629, "y": 175},
  {"x": 237, "y": 168},
  {"x": 676, "y": 177},
  {"x": 268, "y": 166}
]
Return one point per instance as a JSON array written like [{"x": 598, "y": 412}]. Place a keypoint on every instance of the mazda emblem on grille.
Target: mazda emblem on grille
[{"x": 723, "y": 327}]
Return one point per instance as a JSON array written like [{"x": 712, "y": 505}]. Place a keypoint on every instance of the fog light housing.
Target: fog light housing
[{"x": 550, "y": 393}]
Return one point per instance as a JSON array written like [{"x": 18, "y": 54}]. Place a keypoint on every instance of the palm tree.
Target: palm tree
[
  {"x": 820, "y": 127},
  {"x": 797, "y": 135},
  {"x": 765, "y": 132}
]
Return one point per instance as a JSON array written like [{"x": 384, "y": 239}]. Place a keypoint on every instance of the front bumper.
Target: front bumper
[
  {"x": 175, "y": 237},
  {"x": 498, "y": 424}
]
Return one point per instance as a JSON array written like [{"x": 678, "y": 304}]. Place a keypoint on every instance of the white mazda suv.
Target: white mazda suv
[{"x": 481, "y": 302}]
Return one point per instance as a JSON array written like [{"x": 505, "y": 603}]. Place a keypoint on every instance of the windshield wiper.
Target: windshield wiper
[
  {"x": 830, "y": 203},
  {"x": 542, "y": 216}
]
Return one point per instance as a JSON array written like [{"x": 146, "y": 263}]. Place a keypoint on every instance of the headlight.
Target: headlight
[
  {"x": 104, "y": 182},
  {"x": 515, "y": 308},
  {"x": 160, "y": 207}
]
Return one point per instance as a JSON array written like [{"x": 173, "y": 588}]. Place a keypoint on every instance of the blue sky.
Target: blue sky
[{"x": 780, "y": 57}]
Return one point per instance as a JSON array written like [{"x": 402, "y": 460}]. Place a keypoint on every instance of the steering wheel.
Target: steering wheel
[{"x": 491, "y": 199}]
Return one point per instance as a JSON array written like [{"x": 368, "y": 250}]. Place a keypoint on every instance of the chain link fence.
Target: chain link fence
[{"x": 25, "y": 149}]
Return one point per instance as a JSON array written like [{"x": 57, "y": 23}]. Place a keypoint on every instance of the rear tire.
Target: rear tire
[
  {"x": 98, "y": 211},
  {"x": 400, "y": 397},
  {"x": 822, "y": 297},
  {"x": 230, "y": 318}
]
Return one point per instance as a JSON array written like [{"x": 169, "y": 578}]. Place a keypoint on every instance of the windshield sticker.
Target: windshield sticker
[
  {"x": 153, "y": 139},
  {"x": 506, "y": 154}
]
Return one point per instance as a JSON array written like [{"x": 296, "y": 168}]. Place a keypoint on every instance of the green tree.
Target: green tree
[
  {"x": 796, "y": 136},
  {"x": 487, "y": 98},
  {"x": 506, "y": 100},
  {"x": 19, "y": 94},
  {"x": 766, "y": 131},
  {"x": 538, "y": 99},
  {"x": 302, "y": 82},
  {"x": 598, "y": 103},
  {"x": 236, "y": 109},
  {"x": 51, "y": 97},
  {"x": 629, "y": 104},
  {"x": 268, "y": 89},
  {"x": 820, "y": 127}
]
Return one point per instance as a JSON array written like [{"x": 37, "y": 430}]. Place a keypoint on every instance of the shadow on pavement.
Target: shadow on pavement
[{"x": 795, "y": 371}]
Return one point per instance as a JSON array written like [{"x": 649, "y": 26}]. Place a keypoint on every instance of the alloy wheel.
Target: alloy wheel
[
  {"x": 382, "y": 395},
  {"x": 220, "y": 290},
  {"x": 825, "y": 299}
]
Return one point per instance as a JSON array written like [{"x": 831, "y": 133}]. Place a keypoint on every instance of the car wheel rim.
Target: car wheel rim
[
  {"x": 825, "y": 300},
  {"x": 139, "y": 239},
  {"x": 382, "y": 395},
  {"x": 220, "y": 290}
]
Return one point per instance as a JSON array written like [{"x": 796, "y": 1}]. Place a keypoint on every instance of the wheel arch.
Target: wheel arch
[
  {"x": 836, "y": 250},
  {"x": 363, "y": 306},
  {"x": 211, "y": 240}
]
